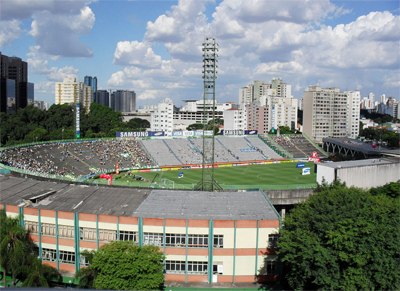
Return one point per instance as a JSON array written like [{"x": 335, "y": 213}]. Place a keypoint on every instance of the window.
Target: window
[
  {"x": 87, "y": 233},
  {"x": 67, "y": 257},
  {"x": 31, "y": 226},
  {"x": 155, "y": 239},
  {"x": 127, "y": 235},
  {"x": 198, "y": 240},
  {"x": 272, "y": 240},
  {"x": 218, "y": 241},
  {"x": 48, "y": 255},
  {"x": 194, "y": 267},
  {"x": 48, "y": 229},
  {"x": 175, "y": 240},
  {"x": 107, "y": 235},
  {"x": 175, "y": 266},
  {"x": 270, "y": 266},
  {"x": 65, "y": 231}
]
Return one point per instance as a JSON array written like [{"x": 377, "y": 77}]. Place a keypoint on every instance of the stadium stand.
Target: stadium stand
[
  {"x": 297, "y": 145},
  {"x": 79, "y": 158}
]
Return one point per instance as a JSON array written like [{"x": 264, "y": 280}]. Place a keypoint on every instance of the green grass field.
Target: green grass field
[{"x": 268, "y": 177}]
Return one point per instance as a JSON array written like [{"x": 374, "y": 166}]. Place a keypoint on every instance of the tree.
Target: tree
[
  {"x": 101, "y": 119},
  {"x": 18, "y": 256},
  {"x": 87, "y": 275},
  {"x": 391, "y": 190},
  {"x": 342, "y": 238},
  {"x": 16, "y": 247},
  {"x": 138, "y": 124},
  {"x": 124, "y": 266},
  {"x": 195, "y": 126}
]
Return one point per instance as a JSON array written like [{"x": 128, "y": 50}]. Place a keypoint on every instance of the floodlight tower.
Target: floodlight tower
[{"x": 210, "y": 60}]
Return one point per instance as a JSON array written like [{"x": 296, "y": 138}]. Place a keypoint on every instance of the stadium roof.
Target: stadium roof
[
  {"x": 360, "y": 146},
  {"x": 360, "y": 163},
  {"x": 70, "y": 197},
  {"x": 29, "y": 192},
  {"x": 207, "y": 205}
]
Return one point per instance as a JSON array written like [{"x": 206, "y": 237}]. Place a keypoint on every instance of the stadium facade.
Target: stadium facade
[{"x": 221, "y": 237}]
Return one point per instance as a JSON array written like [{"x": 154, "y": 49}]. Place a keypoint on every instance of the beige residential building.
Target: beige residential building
[
  {"x": 330, "y": 113},
  {"x": 71, "y": 92}
]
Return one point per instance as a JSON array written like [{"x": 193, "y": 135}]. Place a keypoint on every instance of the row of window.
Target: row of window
[
  {"x": 64, "y": 256},
  {"x": 179, "y": 240},
  {"x": 193, "y": 267},
  {"x": 85, "y": 233}
]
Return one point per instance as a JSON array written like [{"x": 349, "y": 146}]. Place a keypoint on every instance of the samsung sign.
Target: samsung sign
[
  {"x": 239, "y": 132},
  {"x": 125, "y": 134}
]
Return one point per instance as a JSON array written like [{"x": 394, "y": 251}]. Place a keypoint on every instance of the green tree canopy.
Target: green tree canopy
[
  {"x": 343, "y": 239},
  {"x": 138, "y": 124},
  {"x": 124, "y": 266},
  {"x": 18, "y": 256}
]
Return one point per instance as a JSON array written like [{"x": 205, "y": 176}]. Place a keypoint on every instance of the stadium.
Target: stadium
[{"x": 78, "y": 195}]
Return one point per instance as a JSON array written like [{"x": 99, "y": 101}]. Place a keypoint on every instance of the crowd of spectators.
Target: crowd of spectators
[
  {"x": 77, "y": 158},
  {"x": 80, "y": 158}
]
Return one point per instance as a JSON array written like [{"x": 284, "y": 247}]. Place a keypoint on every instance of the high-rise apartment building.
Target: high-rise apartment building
[
  {"x": 264, "y": 106},
  {"x": 162, "y": 119},
  {"x": 102, "y": 97},
  {"x": 254, "y": 91},
  {"x": 92, "y": 82},
  {"x": 330, "y": 113},
  {"x": 281, "y": 112},
  {"x": 123, "y": 101},
  {"x": 71, "y": 92},
  {"x": 353, "y": 113},
  {"x": 13, "y": 83},
  {"x": 235, "y": 119}
]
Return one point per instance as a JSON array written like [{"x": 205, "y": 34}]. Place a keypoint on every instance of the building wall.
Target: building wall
[
  {"x": 237, "y": 252},
  {"x": 363, "y": 177}
]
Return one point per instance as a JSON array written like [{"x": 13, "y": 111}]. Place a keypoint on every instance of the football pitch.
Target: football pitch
[{"x": 277, "y": 176}]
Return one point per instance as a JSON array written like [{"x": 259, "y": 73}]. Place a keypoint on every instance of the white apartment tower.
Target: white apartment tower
[
  {"x": 330, "y": 113},
  {"x": 353, "y": 114},
  {"x": 162, "y": 119},
  {"x": 71, "y": 92},
  {"x": 264, "y": 106},
  {"x": 235, "y": 119},
  {"x": 254, "y": 91},
  {"x": 282, "y": 112}
]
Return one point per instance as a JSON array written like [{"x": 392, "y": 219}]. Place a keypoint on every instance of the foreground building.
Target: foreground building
[
  {"x": 208, "y": 237},
  {"x": 365, "y": 174}
]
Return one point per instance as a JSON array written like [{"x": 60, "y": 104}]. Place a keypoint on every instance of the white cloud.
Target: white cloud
[
  {"x": 260, "y": 11},
  {"x": 9, "y": 31},
  {"x": 56, "y": 25},
  {"x": 174, "y": 25},
  {"x": 60, "y": 35},
  {"x": 261, "y": 40},
  {"x": 392, "y": 81},
  {"x": 39, "y": 63},
  {"x": 136, "y": 53}
]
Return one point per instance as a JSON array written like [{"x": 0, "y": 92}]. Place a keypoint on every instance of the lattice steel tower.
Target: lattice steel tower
[{"x": 210, "y": 61}]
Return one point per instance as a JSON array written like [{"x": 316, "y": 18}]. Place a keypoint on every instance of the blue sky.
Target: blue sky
[{"x": 153, "y": 47}]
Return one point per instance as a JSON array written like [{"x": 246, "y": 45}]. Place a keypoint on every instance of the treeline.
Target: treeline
[
  {"x": 342, "y": 238},
  {"x": 33, "y": 125}
]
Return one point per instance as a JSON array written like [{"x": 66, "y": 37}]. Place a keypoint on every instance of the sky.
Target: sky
[{"x": 154, "y": 47}]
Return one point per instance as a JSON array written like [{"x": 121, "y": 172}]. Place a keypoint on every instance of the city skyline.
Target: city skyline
[{"x": 154, "y": 47}]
